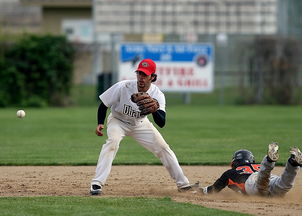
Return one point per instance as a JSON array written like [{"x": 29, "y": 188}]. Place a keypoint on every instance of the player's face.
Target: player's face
[{"x": 143, "y": 81}]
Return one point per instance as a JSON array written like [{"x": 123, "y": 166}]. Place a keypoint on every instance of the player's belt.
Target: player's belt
[{"x": 129, "y": 123}]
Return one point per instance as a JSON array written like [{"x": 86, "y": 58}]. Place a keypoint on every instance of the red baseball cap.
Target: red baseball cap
[{"x": 147, "y": 66}]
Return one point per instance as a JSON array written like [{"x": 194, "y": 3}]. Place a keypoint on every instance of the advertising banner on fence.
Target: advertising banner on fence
[{"x": 181, "y": 67}]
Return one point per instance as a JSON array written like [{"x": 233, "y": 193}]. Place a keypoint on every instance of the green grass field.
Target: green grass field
[
  {"x": 84, "y": 206},
  {"x": 197, "y": 134}
]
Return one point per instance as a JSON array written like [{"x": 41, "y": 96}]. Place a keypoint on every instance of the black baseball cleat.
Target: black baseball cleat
[
  {"x": 95, "y": 189},
  {"x": 295, "y": 157},
  {"x": 188, "y": 187},
  {"x": 272, "y": 153}
]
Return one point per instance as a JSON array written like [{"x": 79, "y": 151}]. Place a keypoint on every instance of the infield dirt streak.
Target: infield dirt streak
[{"x": 148, "y": 181}]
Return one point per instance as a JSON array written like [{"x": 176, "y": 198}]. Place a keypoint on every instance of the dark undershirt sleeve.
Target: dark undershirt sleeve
[
  {"x": 102, "y": 110},
  {"x": 160, "y": 118},
  {"x": 220, "y": 183}
]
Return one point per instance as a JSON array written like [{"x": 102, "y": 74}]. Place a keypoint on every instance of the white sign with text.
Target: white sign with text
[{"x": 181, "y": 67}]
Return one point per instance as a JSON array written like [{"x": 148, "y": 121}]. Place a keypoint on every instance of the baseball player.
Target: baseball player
[
  {"x": 250, "y": 178},
  {"x": 128, "y": 117}
]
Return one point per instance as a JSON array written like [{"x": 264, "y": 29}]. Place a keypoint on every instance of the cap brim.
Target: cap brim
[{"x": 144, "y": 71}]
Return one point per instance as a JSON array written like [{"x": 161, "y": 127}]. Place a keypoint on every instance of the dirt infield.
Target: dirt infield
[{"x": 147, "y": 181}]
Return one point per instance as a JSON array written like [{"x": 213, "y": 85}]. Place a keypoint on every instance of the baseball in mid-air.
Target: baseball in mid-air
[{"x": 20, "y": 113}]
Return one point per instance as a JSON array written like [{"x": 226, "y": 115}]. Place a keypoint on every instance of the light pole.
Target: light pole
[{"x": 222, "y": 42}]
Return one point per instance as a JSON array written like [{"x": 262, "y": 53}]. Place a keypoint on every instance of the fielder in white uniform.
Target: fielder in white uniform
[{"x": 125, "y": 120}]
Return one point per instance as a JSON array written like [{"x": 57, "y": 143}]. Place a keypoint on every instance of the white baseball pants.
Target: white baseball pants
[
  {"x": 146, "y": 135},
  {"x": 278, "y": 185}
]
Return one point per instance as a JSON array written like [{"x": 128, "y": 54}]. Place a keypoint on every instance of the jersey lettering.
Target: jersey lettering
[
  {"x": 256, "y": 166},
  {"x": 127, "y": 110},
  {"x": 248, "y": 169},
  {"x": 245, "y": 170}
]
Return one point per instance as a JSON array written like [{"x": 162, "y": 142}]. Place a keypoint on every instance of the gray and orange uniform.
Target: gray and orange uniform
[
  {"x": 245, "y": 178},
  {"x": 234, "y": 178}
]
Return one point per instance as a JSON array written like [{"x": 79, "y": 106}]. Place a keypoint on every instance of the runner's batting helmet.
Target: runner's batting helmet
[{"x": 242, "y": 157}]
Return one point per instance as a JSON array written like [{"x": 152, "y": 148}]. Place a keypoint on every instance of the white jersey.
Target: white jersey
[{"x": 118, "y": 98}]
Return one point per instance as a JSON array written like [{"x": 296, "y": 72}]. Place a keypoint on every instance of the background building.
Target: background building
[
  {"x": 231, "y": 25},
  {"x": 17, "y": 18}
]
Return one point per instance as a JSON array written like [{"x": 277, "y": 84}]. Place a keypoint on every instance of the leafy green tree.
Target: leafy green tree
[{"x": 37, "y": 71}]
